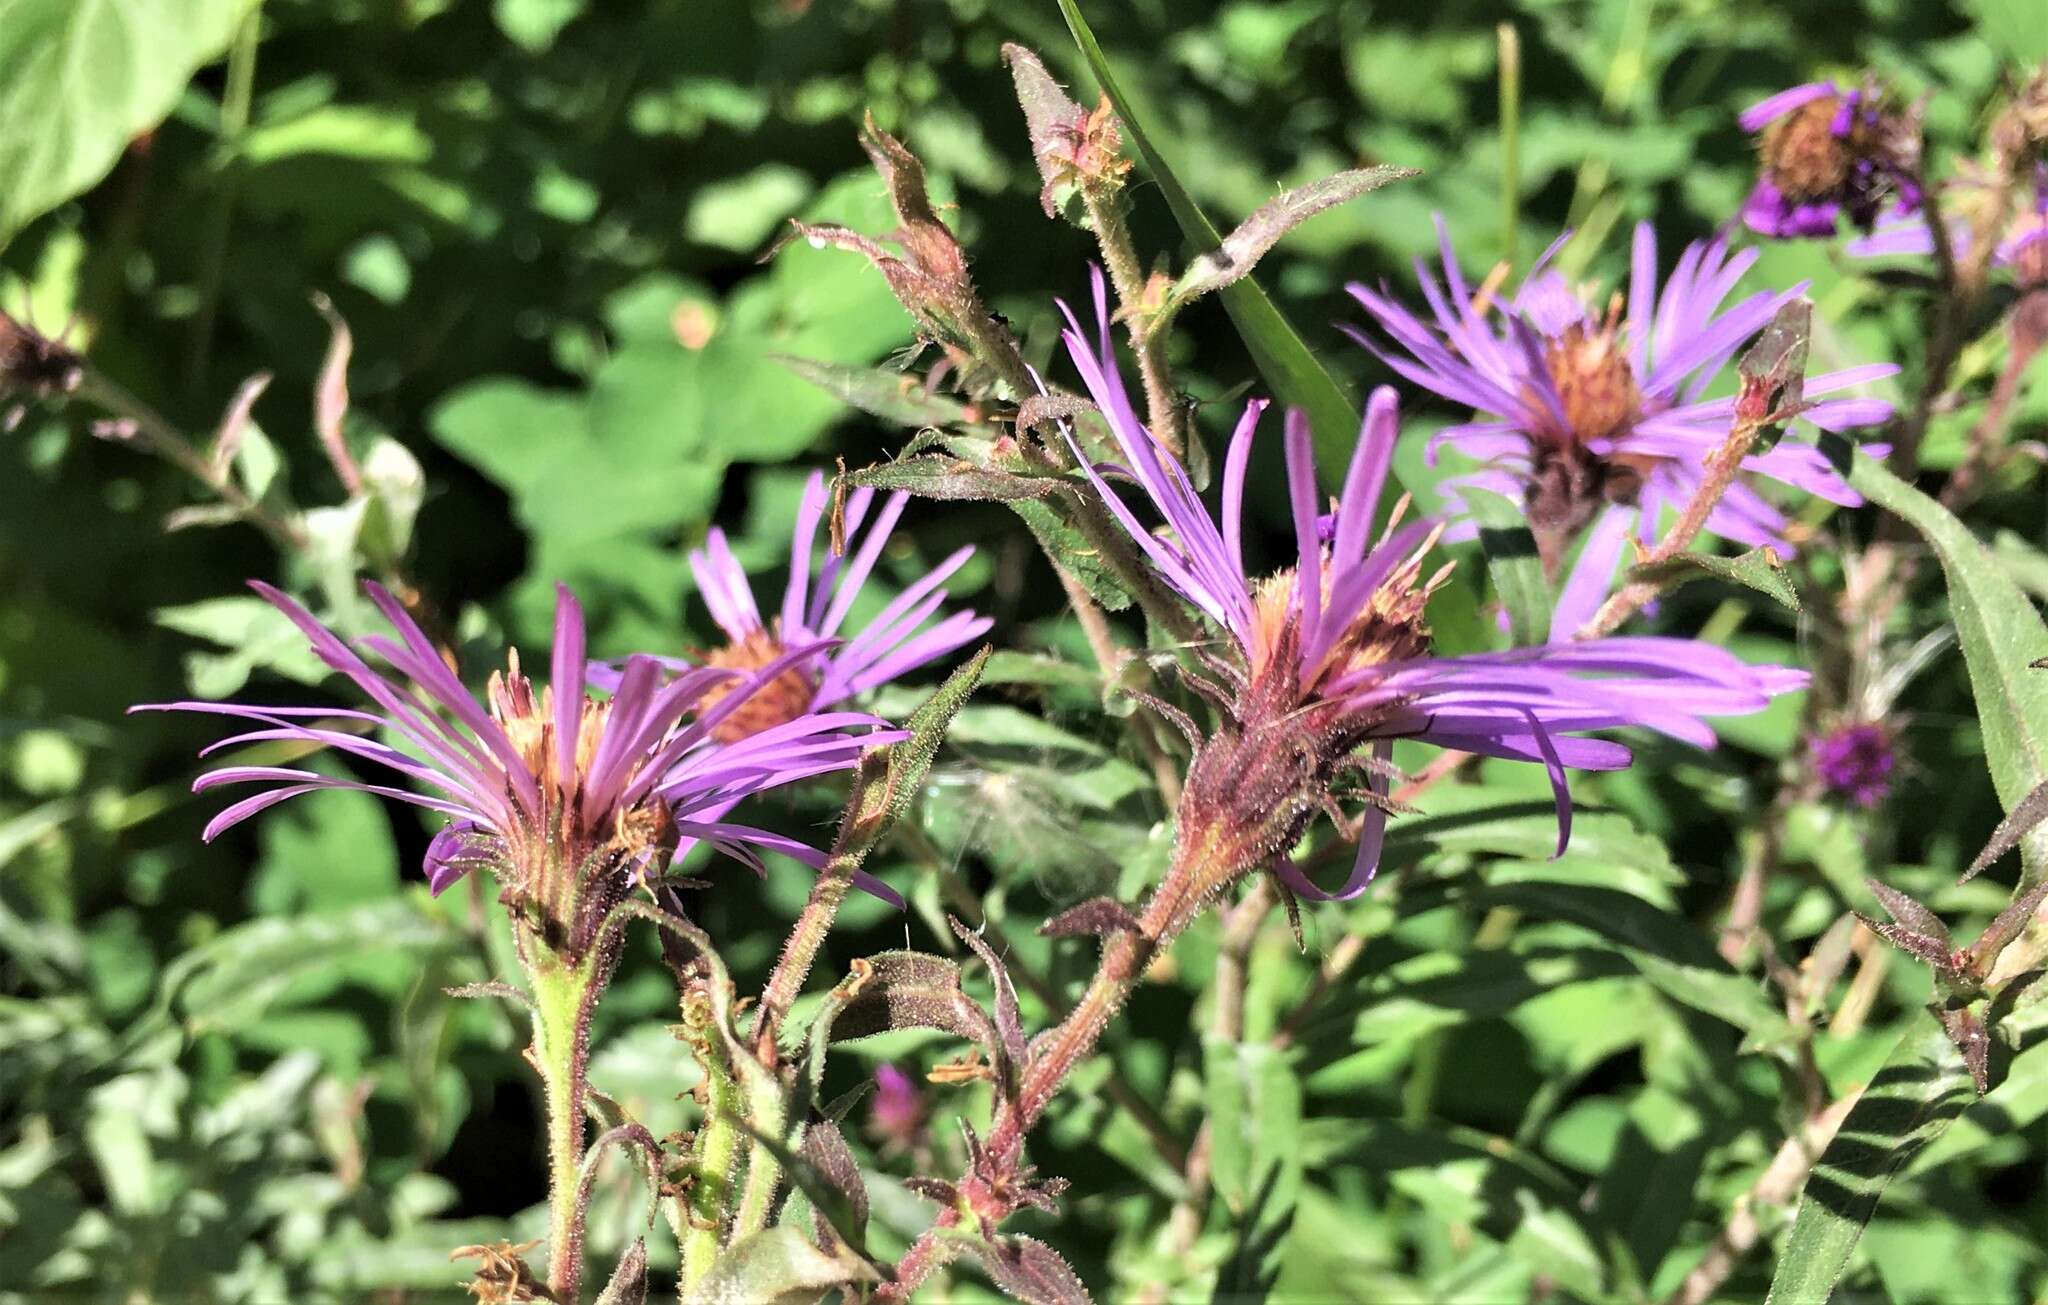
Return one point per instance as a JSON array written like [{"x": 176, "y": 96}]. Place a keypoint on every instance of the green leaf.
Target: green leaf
[
  {"x": 79, "y": 79},
  {"x": 253, "y": 633},
  {"x": 1760, "y": 569},
  {"x": 2000, "y": 633},
  {"x": 1297, "y": 377},
  {"x": 1062, "y": 541},
  {"x": 1919, "y": 1092},
  {"x": 887, "y": 393},
  {"x": 238, "y": 974},
  {"x": 2012, "y": 27},
  {"x": 1677, "y": 960},
  {"x": 1237, "y": 253},
  {"x": 1254, "y": 1105},
  {"x": 1512, "y": 561},
  {"x": 778, "y": 1266}
]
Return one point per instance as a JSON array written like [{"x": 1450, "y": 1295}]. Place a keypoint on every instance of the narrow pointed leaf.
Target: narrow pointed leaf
[
  {"x": 1236, "y": 255},
  {"x": 2000, "y": 633},
  {"x": 1909, "y": 912},
  {"x": 1922, "y": 1087},
  {"x": 1760, "y": 569},
  {"x": 2029, "y": 813}
]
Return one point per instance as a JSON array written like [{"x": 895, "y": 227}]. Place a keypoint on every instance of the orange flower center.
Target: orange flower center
[
  {"x": 528, "y": 719},
  {"x": 779, "y": 701},
  {"x": 1803, "y": 156},
  {"x": 1596, "y": 386},
  {"x": 1389, "y": 628}
]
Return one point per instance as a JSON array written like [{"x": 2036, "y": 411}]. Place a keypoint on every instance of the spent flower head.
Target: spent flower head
[
  {"x": 568, "y": 798},
  {"x": 1324, "y": 663},
  {"x": 1591, "y": 407},
  {"x": 1972, "y": 201},
  {"x": 1824, "y": 151}
]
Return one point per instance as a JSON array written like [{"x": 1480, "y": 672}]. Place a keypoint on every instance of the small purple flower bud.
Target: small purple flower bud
[
  {"x": 897, "y": 1113},
  {"x": 1855, "y": 762}
]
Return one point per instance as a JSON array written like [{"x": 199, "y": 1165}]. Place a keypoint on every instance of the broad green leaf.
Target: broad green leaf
[
  {"x": 252, "y": 633},
  {"x": 778, "y": 1266},
  {"x": 235, "y": 976},
  {"x": 2000, "y": 633},
  {"x": 1760, "y": 569},
  {"x": 79, "y": 79},
  {"x": 1254, "y": 1105},
  {"x": 2013, "y": 28},
  {"x": 1297, "y": 377},
  {"x": 1674, "y": 957},
  {"x": 1922, "y": 1088},
  {"x": 1511, "y": 559}
]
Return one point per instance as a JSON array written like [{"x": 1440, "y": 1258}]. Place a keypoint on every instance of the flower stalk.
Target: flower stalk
[{"x": 565, "y": 993}]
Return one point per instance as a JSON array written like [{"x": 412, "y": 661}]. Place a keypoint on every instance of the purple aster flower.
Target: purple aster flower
[
  {"x": 825, "y": 668},
  {"x": 815, "y": 605},
  {"x": 1327, "y": 662},
  {"x": 1592, "y": 413},
  {"x": 1855, "y": 761},
  {"x": 897, "y": 1112},
  {"x": 2022, "y": 246},
  {"x": 568, "y": 798},
  {"x": 1825, "y": 151}
]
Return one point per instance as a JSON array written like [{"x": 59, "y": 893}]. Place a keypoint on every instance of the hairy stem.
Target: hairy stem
[
  {"x": 711, "y": 1168},
  {"x": 564, "y": 994},
  {"x": 1106, "y": 214},
  {"x": 799, "y": 951},
  {"x": 1721, "y": 468}
]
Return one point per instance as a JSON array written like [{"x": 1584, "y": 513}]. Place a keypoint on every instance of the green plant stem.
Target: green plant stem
[
  {"x": 563, "y": 995},
  {"x": 137, "y": 422},
  {"x": 718, "y": 1148},
  {"x": 799, "y": 952},
  {"x": 234, "y": 120},
  {"x": 1104, "y": 202}
]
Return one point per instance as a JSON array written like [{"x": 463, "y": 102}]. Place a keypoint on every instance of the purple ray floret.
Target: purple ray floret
[{"x": 1349, "y": 653}]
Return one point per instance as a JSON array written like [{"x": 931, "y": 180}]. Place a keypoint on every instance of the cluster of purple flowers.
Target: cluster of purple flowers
[
  {"x": 574, "y": 792},
  {"x": 1335, "y": 647},
  {"x": 1594, "y": 413}
]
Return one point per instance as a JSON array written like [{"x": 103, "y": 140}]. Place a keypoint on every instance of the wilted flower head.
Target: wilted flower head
[
  {"x": 567, "y": 798},
  {"x": 2022, "y": 244},
  {"x": 1825, "y": 151},
  {"x": 33, "y": 366},
  {"x": 1330, "y": 660},
  {"x": 1855, "y": 761},
  {"x": 815, "y": 604},
  {"x": 1592, "y": 408}
]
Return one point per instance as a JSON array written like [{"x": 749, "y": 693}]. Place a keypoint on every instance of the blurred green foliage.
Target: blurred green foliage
[{"x": 229, "y": 1072}]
